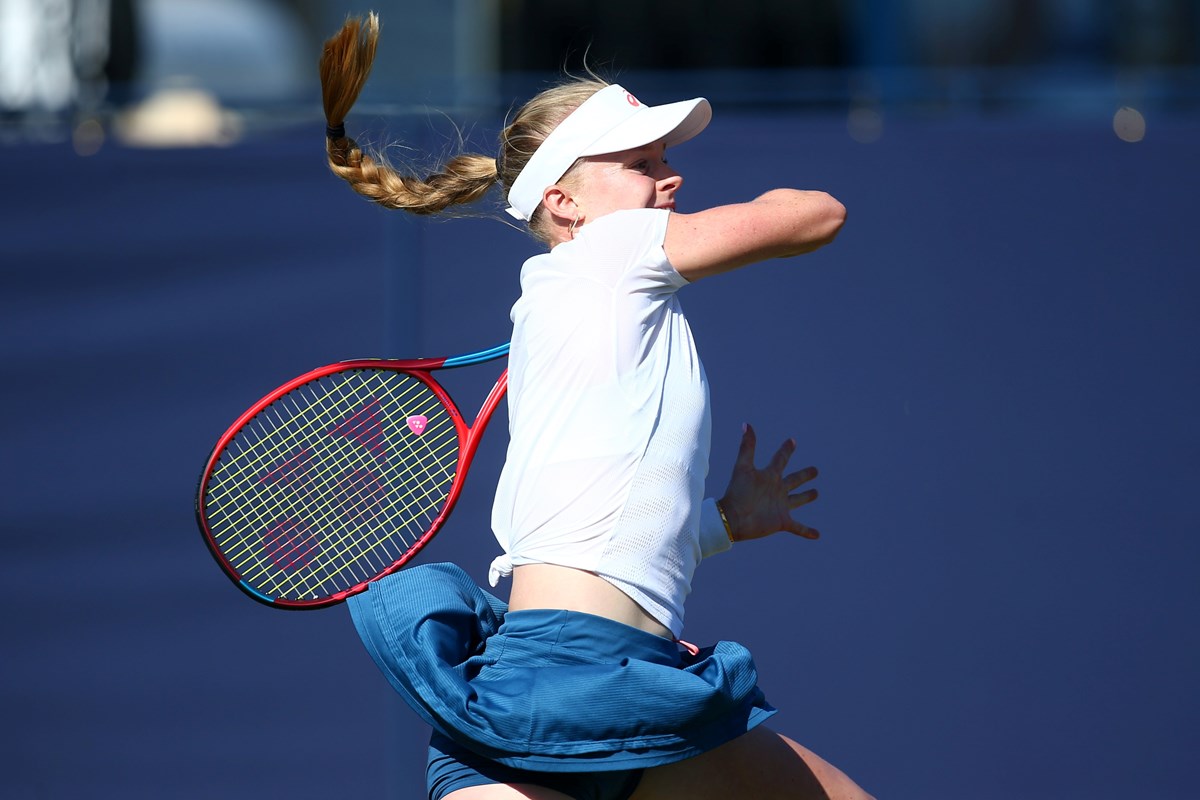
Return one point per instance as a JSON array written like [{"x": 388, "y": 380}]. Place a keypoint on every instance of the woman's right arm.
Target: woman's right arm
[{"x": 779, "y": 224}]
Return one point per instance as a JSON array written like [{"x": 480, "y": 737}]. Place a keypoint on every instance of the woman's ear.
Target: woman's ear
[{"x": 560, "y": 203}]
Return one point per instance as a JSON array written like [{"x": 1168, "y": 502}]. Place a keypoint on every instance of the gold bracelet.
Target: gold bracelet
[{"x": 725, "y": 519}]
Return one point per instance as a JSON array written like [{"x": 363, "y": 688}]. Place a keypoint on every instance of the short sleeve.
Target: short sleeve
[{"x": 625, "y": 249}]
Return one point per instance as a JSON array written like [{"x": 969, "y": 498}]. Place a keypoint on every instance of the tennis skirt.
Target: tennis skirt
[{"x": 550, "y": 690}]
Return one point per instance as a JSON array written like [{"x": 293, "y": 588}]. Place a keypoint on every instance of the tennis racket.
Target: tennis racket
[{"x": 339, "y": 477}]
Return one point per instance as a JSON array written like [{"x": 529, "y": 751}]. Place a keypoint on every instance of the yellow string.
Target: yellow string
[{"x": 415, "y": 482}]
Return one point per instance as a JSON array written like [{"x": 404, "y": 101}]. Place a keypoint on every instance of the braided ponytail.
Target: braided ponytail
[{"x": 345, "y": 65}]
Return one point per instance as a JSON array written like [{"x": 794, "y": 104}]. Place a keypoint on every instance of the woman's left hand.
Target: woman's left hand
[{"x": 759, "y": 502}]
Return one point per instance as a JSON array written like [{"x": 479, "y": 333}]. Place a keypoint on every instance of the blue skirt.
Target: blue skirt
[{"x": 550, "y": 690}]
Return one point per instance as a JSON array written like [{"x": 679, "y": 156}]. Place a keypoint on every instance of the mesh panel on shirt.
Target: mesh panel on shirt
[{"x": 653, "y": 550}]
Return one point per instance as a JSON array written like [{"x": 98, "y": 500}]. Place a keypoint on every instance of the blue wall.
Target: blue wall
[{"x": 995, "y": 368}]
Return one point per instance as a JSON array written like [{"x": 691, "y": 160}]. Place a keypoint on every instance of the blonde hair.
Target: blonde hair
[{"x": 345, "y": 65}]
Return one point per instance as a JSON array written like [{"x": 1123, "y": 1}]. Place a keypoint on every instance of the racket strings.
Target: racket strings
[
  {"x": 330, "y": 485},
  {"x": 290, "y": 436},
  {"x": 292, "y": 541},
  {"x": 339, "y": 533},
  {"x": 369, "y": 554}
]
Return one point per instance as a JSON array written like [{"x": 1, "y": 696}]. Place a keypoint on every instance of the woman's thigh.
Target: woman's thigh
[{"x": 761, "y": 764}]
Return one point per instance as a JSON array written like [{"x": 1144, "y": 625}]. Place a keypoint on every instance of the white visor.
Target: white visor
[{"x": 609, "y": 121}]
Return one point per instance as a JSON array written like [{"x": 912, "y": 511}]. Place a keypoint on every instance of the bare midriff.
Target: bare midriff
[{"x": 550, "y": 586}]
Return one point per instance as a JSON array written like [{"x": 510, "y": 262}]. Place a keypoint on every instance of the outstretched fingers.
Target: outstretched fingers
[
  {"x": 759, "y": 502},
  {"x": 782, "y": 456},
  {"x": 804, "y": 531},
  {"x": 803, "y": 498},
  {"x": 792, "y": 482},
  {"x": 745, "y": 454},
  {"x": 797, "y": 479}
]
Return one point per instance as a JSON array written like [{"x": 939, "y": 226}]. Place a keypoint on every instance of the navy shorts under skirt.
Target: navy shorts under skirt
[
  {"x": 452, "y": 767},
  {"x": 550, "y": 690}
]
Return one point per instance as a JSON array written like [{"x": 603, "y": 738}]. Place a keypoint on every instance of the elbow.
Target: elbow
[
  {"x": 819, "y": 223},
  {"x": 798, "y": 221},
  {"x": 832, "y": 218}
]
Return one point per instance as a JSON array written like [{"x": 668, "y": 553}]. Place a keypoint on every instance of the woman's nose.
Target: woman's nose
[{"x": 672, "y": 180}]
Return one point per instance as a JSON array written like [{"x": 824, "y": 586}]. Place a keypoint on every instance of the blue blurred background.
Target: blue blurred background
[{"x": 995, "y": 367}]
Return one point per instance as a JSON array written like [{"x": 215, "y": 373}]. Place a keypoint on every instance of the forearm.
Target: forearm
[
  {"x": 778, "y": 224},
  {"x": 805, "y": 219}
]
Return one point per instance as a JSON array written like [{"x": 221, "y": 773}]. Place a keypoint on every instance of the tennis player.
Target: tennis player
[{"x": 579, "y": 687}]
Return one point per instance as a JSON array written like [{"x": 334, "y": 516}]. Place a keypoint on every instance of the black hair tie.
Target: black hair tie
[{"x": 335, "y": 133}]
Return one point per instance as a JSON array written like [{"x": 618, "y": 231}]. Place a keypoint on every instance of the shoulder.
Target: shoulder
[
  {"x": 630, "y": 228},
  {"x": 620, "y": 247}
]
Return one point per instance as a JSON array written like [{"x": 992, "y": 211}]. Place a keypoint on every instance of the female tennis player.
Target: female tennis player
[{"x": 579, "y": 687}]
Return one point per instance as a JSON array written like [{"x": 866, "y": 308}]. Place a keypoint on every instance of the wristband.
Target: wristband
[{"x": 725, "y": 520}]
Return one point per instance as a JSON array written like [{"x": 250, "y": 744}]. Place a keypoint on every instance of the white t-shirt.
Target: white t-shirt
[{"x": 608, "y": 418}]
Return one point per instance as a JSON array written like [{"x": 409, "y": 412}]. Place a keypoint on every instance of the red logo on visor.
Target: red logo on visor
[{"x": 633, "y": 101}]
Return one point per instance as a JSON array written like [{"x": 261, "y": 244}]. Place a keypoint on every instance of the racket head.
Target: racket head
[{"x": 336, "y": 478}]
